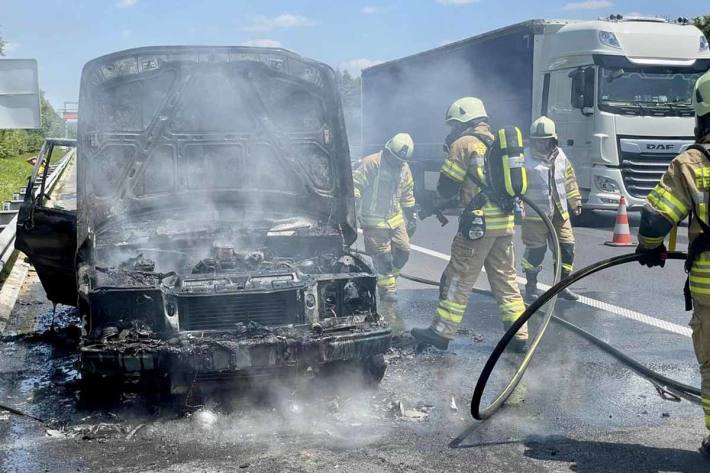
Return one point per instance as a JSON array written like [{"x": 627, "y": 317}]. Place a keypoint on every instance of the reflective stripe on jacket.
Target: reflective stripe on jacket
[
  {"x": 685, "y": 187},
  {"x": 384, "y": 191}
]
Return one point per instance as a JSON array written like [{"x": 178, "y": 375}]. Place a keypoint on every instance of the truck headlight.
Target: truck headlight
[
  {"x": 703, "y": 43},
  {"x": 606, "y": 184},
  {"x": 609, "y": 39}
]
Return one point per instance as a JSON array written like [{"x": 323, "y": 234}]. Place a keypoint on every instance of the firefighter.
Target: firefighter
[
  {"x": 684, "y": 189},
  {"x": 552, "y": 186},
  {"x": 384, "y": 192},
  {"x": 466, "y": 145}
]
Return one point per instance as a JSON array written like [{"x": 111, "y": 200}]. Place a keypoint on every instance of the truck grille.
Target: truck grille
[
  {"x": 224, "y": 312},
  {"x": 644, "y": 161},
  {"x": 641, "y": 172}
]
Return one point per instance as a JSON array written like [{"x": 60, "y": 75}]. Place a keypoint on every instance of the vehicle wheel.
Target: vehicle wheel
[
  {"x": 374, "y": 368},
  {"x": 100, "y": 391}
]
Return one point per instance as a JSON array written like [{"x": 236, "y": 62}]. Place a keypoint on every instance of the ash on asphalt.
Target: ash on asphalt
[{"x": 406, "y": 423}]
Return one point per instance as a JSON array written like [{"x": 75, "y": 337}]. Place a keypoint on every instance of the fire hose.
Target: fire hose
[
  {"x": 667, "y": 388},
  {"x": 547, "y": 317},
  {"x": 663, "y": 384}
]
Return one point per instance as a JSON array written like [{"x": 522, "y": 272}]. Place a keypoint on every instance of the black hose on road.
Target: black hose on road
[
  {"x": 652, "y": 376},
  {"x": 516, "y": 326},
  {"x": 20, "y": 413},
  {"x": 662, "y": 383}
]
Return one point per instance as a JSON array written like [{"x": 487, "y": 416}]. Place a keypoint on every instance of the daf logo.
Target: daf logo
[{"x": 659, "y": 146}]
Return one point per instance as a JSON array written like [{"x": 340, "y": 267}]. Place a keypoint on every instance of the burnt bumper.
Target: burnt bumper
[{"x": 212, "y": 357}]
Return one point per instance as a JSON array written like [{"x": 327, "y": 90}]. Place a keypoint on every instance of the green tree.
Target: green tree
[
  {"x": 15, "y": 142},
  {"x": 703, "y": 23},
  {"x": 351, "y": 95}
]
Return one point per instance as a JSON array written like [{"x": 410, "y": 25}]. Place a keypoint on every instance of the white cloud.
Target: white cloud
[
  {"x": 355, "y": 66},
  {"x": 457, "y": 3},
  {"x": 126, "y": 3},
  {"x": 588, "y": 5},
  {"x": 369, "y": 10},
  {"x": 285, "y": 20},
  {"x": 262, "y": 43}
]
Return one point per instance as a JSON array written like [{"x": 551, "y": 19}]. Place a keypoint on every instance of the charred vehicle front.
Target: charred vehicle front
[{"x": 214, "y": 220}]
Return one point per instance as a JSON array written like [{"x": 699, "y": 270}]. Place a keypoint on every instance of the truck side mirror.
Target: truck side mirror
[
  {"x": 582, "y": 91},
  {"x": 577, "y": 92},
  {"x": 589, "y": 76}
]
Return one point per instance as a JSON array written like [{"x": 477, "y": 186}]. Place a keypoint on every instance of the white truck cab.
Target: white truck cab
[
  {"x": 618, "y": 88},
  {"x": 629, "y": 112}
]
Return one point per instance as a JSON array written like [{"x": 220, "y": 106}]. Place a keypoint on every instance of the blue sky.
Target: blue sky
[{"x": 64, "y": 34}]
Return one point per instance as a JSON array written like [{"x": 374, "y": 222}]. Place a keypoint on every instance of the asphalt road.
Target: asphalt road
[{"x": 576, "y": 410}]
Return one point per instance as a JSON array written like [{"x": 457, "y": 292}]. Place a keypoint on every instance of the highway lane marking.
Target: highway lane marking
[{"x": 597, "y": 304}]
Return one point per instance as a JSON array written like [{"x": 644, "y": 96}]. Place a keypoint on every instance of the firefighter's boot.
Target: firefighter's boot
[
  {"x": 705, "y": 447},
  {"x": 531, "y": 290},
  {"x": 426, "y": 337},
  {"x": 566, "y": 292}
]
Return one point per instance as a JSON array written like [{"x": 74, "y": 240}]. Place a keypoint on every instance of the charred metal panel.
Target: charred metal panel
[
  {"x": 223, "y": 356},
  {"x": 126, "y": 309},
  {"x": 48, "y": 238},
  {"x": 149, "y": 116}
]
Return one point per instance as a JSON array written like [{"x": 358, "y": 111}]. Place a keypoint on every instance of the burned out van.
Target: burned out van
[{"x": 214, "y": 221}]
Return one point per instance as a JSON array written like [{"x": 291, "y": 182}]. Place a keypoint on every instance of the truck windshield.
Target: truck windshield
[{"x": 647, "y": 91}]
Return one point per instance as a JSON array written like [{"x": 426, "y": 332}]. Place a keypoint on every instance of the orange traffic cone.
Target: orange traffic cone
[{"x": 622, "y": 234}]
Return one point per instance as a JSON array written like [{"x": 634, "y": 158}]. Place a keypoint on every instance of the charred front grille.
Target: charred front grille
[
  {"x": 225, "y": 311},
  {"x": 644, "y": 161}
]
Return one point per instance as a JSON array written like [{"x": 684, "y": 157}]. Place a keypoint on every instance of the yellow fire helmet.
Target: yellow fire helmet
[
  {"x": 701, "y": 95},
  {"x": 401, "y": 146},
  {"x": 466, "y": 109},
  {"x": 543, "y": 128}
]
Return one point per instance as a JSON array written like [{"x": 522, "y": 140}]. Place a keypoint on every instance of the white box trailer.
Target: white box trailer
[{"x": 619, "y": 90}]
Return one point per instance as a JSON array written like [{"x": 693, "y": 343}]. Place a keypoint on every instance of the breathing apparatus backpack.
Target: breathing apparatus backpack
[{"x": 506, "y": 180}]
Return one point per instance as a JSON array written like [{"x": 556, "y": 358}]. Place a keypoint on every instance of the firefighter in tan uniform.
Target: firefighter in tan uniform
[
  {"x": 467, "y": 144},
  {"x": 384, "y": 192},
  {"x": 685, "y": 189},
  {"x": 552, "y": 186}
]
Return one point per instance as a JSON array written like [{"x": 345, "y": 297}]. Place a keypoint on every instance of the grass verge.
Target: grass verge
[{"x": 13, "y": 174}]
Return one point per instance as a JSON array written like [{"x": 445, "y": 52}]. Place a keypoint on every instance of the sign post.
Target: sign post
[{"x": 19, "y": 94}]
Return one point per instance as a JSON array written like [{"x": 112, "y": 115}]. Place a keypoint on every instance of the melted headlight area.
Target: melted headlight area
[
  {"x": 340, "y": 299},
  {"x": 135, "y": 310}
]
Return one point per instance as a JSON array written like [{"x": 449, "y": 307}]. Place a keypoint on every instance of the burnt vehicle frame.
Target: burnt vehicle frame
[{"x": 214, "y": 221}]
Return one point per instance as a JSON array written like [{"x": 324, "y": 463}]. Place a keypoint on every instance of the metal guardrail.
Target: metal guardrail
[{"x": 7, "y": 235}]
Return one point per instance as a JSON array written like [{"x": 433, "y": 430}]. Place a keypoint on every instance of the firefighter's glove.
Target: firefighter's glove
[
  {"x": 652, "y": 256},
  {"x": 412, "y": 226},
  {"x": 410, "y": 214}
]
